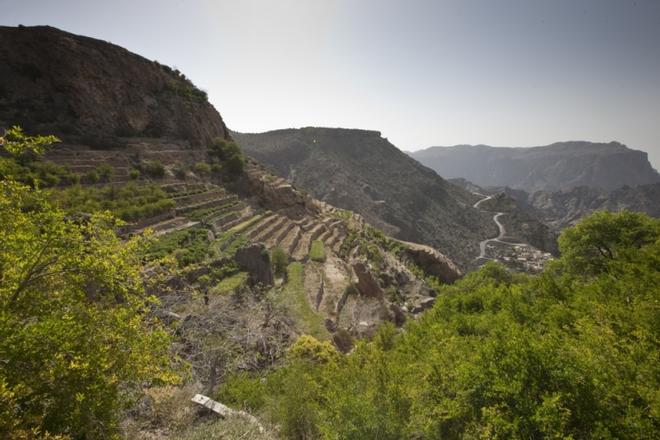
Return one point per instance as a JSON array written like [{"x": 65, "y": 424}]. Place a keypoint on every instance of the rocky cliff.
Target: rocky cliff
[
  {"x": 561, "y": 209},
  {"x": 361, "y": 171},
  {"x": 560, "y": 166},
  {"x": 92, "y": 92}
]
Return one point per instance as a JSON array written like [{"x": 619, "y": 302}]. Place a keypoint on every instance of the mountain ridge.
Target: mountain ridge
[
  {"x": 362, "y": 171},
  {"x": 558, "y": 166}
]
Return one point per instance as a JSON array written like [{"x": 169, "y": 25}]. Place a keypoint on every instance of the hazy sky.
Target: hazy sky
[{"x": 499, "y": 72}]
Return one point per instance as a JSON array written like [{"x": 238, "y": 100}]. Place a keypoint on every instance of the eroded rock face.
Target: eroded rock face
[
  {"x": 434, "y": 263},
  {"x": 367, "y": 284},
  {"x": 91, "y": 92},
  {"x": 256, "y": 261}
]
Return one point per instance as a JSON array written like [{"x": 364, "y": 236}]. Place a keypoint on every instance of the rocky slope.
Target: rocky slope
[
  {"x": 119, "y": 116},
  {"x": 92, "y": 92},
  {"x": 561, "y": 209},
  {"x": 361, "y": 171},
  {"x": 560, "y": 166}
]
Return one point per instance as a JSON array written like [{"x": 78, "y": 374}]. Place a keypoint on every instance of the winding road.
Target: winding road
[{"x": 500, "y": 226}]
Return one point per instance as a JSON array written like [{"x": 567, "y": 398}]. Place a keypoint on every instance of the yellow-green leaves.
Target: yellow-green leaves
[
  {"x": 74, "y": 335},
  {"x": 17, "y": 143}
]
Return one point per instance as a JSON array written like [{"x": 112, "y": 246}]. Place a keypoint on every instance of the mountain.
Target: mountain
[
  {"x": 561, "y": 209},
  {"x": 361, "y": 171},
  {"x": 559, "y": 166},
  {"x": 241, "y": 261}
]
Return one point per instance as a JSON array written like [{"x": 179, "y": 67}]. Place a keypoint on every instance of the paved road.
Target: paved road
[{"x": 500, "y": 226}]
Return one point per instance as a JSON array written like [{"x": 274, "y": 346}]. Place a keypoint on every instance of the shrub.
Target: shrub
[
  {"x": 228, "y": 154},
  {"x": 75, "y": 336},
  {"x": 153, "y": 169},
  {"x": 105, "y": 172},
  {"x": 279, "y": 260},
  {"x": 92, "y": 176},
  {"x": 202, "y": 168},
  {"x": 134, "y": 174}
]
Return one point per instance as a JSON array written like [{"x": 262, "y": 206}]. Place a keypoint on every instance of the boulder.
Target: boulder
[
  {"x": 367, "y": 285},
  {"x": 255, "y": 259}
]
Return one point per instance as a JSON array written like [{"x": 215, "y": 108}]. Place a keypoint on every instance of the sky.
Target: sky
[{"x": 498, "y": 72}]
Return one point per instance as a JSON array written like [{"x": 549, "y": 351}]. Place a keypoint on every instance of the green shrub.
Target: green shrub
[
  {"x": 153, "y": 169},
  {"x": 105, "y": 172},
  {"x": 92, "y": 176},
  {"x": 228, "y": 154},
  {"x": 134, "y": 174},
  {"x": 202, "y": 168},
  {"x": 279, "y": 260}
]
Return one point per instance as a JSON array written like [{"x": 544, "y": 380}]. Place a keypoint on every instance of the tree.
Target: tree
[
  {"x": 280, "y": 260},
  {"x": 602, "y": 238},
  {"x": 228, "y": 154},
  {"x": 75, "y": 329}
]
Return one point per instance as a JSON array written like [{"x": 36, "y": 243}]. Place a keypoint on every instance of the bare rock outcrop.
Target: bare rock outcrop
[
  {"x": 256, "y": 261},
  {"x": 91, "y": 92},
  {"x": 433, "y": 262}
]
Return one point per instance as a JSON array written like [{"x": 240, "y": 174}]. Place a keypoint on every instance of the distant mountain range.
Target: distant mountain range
[
  {"x": 559, "y": 166},
  {"x": 361, "y": 171},
  {"x": 560, "y": 209}
]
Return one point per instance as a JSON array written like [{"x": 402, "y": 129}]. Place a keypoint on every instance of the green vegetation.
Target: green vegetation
[
  {"x": 279, "y": 260},
  {"x": 294, "y": 297},
  {"x": 182, "y": 86},
  {"x": 129, "y": 202},
  {"x": 153, "y": 169},
  {"x": 571, "y": 353},
  {"x": 21, "y": 160},
  {"x": 189, "y": 246},
  {"x": 317, "y": 251},
  {"x": 229, "y": 284},
  {"x": 75, "y": 341},
  {"x": 202, "y": 168},
  {"x": 227, "y": 155}
]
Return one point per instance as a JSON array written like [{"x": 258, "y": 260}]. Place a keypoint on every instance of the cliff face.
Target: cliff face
[
  {"x": 561, "y": 209},
  {"x": 91, "y": 92},
  {"x": 361, "y": 171},
  {"x": 560, "y": 166}
]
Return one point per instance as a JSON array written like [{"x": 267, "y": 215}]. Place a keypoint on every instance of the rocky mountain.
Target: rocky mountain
[
  {"x": 361, "y": 171},
  {"x": 241, "y": 261},
  {"x": 95, "y": 93},
  {"x": 559, "y": 166},
  {"x": 561, "y": 209}
]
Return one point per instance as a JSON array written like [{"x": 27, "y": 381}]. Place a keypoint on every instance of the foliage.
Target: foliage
[
  {"x": 21, "y": 160},
  {"x": 153, "y": 169},
  {"x": 317, "y": 251},
  {"x": 105, "y": 172},
  {"x": 279, "y": 260},
  {"x": 129, "y": 202},
  {"x": 230, "y": 283},
  {"x": 571, "y": 353},
  {"x": 228, "y": 155},
  {"x": 20, "y": 145},
  {"x": 75, "y": 336},
  {"x": 188, "y": 246},
  {"x": 202, "y": 168}
]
